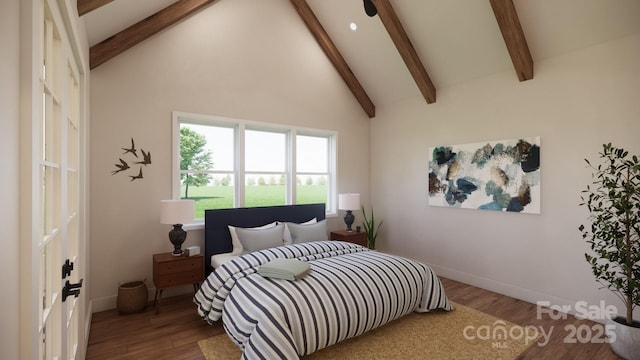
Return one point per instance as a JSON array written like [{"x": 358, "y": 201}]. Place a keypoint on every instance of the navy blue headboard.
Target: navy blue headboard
[{"x": 217, "y": 239}]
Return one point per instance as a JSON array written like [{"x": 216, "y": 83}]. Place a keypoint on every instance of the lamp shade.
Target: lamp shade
[
  {"x": 349, "y": 201},
  {"x": 176, "y": 211}
]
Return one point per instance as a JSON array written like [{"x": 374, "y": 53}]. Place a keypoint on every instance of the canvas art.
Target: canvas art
[{"x": 499, "y": 175}]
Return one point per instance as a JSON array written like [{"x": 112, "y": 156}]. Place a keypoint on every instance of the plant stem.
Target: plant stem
[{"x": 627, "y": 227}]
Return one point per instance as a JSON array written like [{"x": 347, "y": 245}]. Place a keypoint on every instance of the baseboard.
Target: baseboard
[
  {"x": 104, "y": 303},
  {"x": 87, "y": 325},
  {"x": 110, "y": 302},
  {"x": 513, "y": 291}
]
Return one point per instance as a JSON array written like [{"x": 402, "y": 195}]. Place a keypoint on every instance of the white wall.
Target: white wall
[
  {"x": 575, "y": 102},
  {"x": 9, "y": 176},
  {"x": 214, "y": 63}
]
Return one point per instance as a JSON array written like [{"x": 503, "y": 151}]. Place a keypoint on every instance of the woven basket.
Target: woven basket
[{"x": 132, "y": 297}]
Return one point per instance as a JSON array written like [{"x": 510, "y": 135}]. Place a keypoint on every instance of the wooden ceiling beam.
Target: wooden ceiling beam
[
  {"x": 509, "y": 23},
  {"x": 143, "y": 30},
  {"x": 399, "y": 37},
  {"x": 334, "y": 55},
  {"x": 85, "y": 6}
]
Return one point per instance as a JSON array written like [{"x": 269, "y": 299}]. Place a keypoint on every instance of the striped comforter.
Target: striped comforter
[{"x": 348, "y": 291}]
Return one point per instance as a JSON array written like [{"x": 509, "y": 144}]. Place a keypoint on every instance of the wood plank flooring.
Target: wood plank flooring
[
  {"x": 175, "y": 331},
  {"x": 524, "y": 313},
  {"x": 171, "y": 334}
]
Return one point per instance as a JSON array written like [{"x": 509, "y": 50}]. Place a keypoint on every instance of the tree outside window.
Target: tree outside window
[{"x": 194, "y": 157}]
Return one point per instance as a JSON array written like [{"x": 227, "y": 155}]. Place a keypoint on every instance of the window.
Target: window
[
  {"x": 265, "y": 154},
  {"x": 223, "y": 163},
  {"x": 207, "y": 165},
  {"x": 312, "y": 165}
]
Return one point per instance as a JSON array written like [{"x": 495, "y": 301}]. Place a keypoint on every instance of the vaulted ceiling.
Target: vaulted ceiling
[{"x": 411, "y": 47}]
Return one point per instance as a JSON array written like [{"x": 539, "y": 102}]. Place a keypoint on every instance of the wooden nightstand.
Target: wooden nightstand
[
  {"x": 355, "y": 237},
  {"x": 170, "y": 271}
]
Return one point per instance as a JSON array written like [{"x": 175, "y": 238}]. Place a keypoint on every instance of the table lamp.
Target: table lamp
[
  {"x": 349, "y": 202},
  {"x": 176, "y": 213}
]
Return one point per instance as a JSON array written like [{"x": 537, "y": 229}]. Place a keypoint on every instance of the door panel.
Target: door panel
[{"x": 57, "y": 135}]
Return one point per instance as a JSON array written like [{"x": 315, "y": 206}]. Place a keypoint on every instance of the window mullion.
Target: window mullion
[
  {"x": 175, "y": 164},
  {"x": 291, "y": 168},
  {"x": 240, "y": 166},
  {"x": 332, "y": 193}
]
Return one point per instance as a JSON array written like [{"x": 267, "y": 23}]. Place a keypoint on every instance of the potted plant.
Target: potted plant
[
  {"x": 613, "y": 201},
  {"x": 369, "y": 225}
]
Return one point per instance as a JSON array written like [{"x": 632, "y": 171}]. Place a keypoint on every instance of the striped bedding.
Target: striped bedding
[{"x": 348, "y": 291}]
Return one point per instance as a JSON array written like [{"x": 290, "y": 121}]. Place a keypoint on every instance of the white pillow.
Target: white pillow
[
  {"x": 311, "y": 232},
  {"x": 237, "y": 245},
  {"x": 286, "y": 237},
  {"x": 219, "y": 259},
  {"x": 258, "y": 239}
]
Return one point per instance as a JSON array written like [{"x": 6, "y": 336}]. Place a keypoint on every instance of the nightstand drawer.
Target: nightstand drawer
[
  {"x": 355, "y": 237},
  {"x": 181, "y": 278},
  {"x": 169, "y": 271},
  {"x": 186, "y": 264}
]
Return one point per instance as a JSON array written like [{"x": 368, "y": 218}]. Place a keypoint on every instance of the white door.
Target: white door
[{"x": 57, "y": 174}]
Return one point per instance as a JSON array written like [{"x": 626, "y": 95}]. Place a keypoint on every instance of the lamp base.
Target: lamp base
[
  {"x": 348, "y": 219},
  {"x": 177, "y": 236}
]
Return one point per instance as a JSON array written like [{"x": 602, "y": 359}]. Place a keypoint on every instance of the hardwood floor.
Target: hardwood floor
[
  {"x": 174, "y": 333},
  {"x": 171, "y": 334},
  {"x": 524, "y": 313}
]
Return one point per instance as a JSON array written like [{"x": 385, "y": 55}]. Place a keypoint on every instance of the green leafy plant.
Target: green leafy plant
[
  {"x": 369, "y": 225},
  {"x": 194, "y": 156},
  {"x": 613, "y": 201}
]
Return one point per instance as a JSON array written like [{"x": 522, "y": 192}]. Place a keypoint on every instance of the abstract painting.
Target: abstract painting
[{"x": 501, "y": 175}]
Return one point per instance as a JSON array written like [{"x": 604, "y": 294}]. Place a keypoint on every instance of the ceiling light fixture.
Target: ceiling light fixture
[
  {"x": 353, "y": 26},
  {"x": 370, "y": 8}
]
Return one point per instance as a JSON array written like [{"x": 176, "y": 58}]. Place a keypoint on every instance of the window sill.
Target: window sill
[{"x": 196, "y": 225}]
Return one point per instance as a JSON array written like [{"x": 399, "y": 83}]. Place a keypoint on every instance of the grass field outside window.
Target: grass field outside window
[{"x": 221, "y": 197}]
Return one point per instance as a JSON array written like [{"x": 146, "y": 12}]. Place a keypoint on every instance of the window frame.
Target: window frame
[
  {"x": 288, "y": 196},
  {"x": 239, "y": 172}
]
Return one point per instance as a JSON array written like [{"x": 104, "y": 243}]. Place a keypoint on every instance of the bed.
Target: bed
[{"x": 347, "y": 291}]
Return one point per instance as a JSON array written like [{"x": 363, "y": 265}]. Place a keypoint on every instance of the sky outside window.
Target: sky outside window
[
  {"x": 265, "y": 151},
  {"x": 220, "y": 140},
  {"x": 312, "y": 154}
]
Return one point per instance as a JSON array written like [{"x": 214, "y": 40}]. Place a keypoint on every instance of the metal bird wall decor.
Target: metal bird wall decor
[
  {"x": 146, "y": 156},
  {"x": 131, "y": 154},
  {"x": 139, "y": 176},
  {"x": 121, "y": 167},
  {"x": 131, "y": 150}
]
